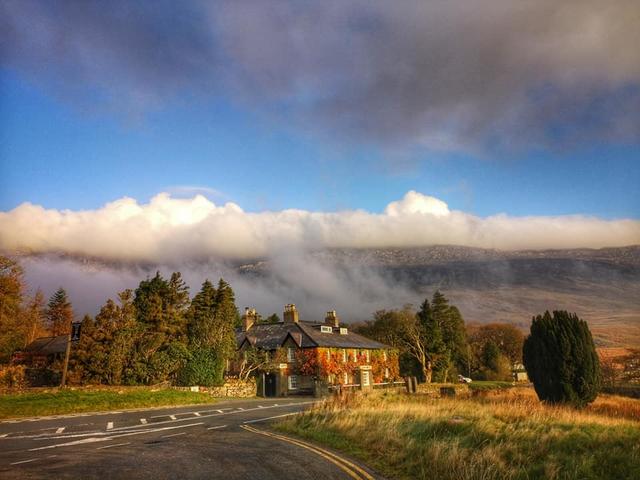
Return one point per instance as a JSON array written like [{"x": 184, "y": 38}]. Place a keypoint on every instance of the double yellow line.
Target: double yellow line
[{"x": 354, "y": 471}]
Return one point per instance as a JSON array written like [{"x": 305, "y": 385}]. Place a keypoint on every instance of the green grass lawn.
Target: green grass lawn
[
  {"x": 75, "y": 401},
  {"x": 508, "y": 437}
]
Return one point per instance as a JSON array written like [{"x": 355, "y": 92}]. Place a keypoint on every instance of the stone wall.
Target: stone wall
[
  {"x": 437, "y": 390},
  {"x": 232, "y": 388}
]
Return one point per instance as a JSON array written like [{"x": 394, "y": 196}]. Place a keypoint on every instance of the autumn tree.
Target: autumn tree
[
  {"x": 34, "y": 318},
  {"x": 11, "y": 297},
  {"x": 59, "y": 313}
]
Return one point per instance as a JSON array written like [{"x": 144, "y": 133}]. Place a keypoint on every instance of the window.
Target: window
[
  {"x": 346, "y": 378},
  {"x": 325, "y": 329},
  {"x": 367, "y": 356},
  {"x": 364, "y": 375},
  {"x": 344, "y": 355},
  {"x": 386, "y": 373},
  {"x": 291, "y": 354},
  {"x": 354, "y": 355},
  {"x": 328, "y": 354},
  {"x": 343, "y": 331},
  {"x": 293, "y": 382}
]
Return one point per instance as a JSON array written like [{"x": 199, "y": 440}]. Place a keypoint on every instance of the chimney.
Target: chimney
[
  {"x": 332, "y": 319},
  {"x": 249, "y": 318},
  {"x": 290, "y": 314}
]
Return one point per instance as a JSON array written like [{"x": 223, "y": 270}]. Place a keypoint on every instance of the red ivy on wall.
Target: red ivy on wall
[{"x": 322, "y": 362}]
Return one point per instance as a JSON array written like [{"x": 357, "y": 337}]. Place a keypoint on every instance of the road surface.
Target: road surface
[{"x": 227, "y": 440}]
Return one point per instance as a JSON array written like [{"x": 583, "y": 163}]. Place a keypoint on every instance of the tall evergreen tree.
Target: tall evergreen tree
[
  {"x": 561, "y": 359},
  {"x": 201, "y": 317},
  {"x": 59, "y": 313},
  {"x": 226, "y": 318}
]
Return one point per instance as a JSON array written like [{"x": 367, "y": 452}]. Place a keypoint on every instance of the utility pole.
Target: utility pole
[{"x": 66, "y": 359}]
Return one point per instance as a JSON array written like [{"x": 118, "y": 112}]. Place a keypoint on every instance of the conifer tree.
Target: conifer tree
[
  {"x": 59, "y": 313},
  {"x": 561, "y": 359}
]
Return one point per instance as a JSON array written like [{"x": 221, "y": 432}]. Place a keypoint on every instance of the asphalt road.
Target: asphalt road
[{"x": 226, "y": 440}]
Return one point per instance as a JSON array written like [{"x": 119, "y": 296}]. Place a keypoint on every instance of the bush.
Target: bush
[
  {"x": 203, "y": 368},
  {"x": 12, "y": 376},
  {"x": 561, "y": 359}
]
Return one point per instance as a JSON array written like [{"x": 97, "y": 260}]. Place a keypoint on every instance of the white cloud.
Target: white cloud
[
  {"x": 414, "y": 202},
  {"x": 170, "y": 230}
]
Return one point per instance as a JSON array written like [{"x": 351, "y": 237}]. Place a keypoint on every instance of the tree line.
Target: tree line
[
  {"x": 155, "y": 333},
  {"x": 436, "y": 345}
]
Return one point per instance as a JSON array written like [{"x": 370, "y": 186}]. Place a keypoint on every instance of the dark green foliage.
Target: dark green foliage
[
  {"x": 273, "y": 318},
  {"x": 59, "y": 313},
  {"x": 201, "y": 316},
  {"x": 204, "y": 367},
  {"x": 561, "y": 359},
  {"x": 445, "y": 336}
]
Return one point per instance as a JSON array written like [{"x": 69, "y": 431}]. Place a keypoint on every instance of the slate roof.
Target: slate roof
[
  {"x": 305, "y": 334},
  {"x": 47, "y": 345}
]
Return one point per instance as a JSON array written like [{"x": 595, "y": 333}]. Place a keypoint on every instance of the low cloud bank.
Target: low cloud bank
[{"x": 171, "y": 231}]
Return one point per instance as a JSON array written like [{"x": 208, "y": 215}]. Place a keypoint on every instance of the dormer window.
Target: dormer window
[
  {"x": 326, "y": 329},
  {"x": 343, "y": 331},
  {"x": 291, "y": 354}
]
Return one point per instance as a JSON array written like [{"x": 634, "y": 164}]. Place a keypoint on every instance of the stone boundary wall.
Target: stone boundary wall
[
  {"x": 437, "y": 390},
  {"x": 232, "y": 388}
]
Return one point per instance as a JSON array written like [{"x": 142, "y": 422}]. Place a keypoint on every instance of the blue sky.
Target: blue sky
[
  {"x": 60, "y": 157},
  {"x": 319, "y": 108}
]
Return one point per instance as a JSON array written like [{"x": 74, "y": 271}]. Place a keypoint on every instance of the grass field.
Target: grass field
[
  {"x": 58, "y": 402},
  {"x": 509, "y": 435}
]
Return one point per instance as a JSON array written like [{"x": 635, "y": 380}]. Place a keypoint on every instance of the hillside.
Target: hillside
[{"x": 602, "y": 286}]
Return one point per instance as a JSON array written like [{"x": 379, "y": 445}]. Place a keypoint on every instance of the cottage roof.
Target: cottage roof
[
  {"x": 47, "y": 345},
  {"x": 269, "y": 336}
]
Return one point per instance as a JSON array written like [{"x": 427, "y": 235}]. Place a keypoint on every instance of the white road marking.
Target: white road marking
[
  {"x": 60, "y": 430},
  {"x": 196, "y": 414},
  {"x": 173, "y": 435},
  {"x": 143, "y": 421},
  {"x": 172, "y": 417},
  {"x": 269, "y": 418},
  {"x": 114, "y": 445},
  {"x": 106, "y": 439},
  {"x": 24, "y": 461},
  {"x": 4, "y": 435},
  {"x": 129, "y": 427},
  {"x": 109, "y": 425},
  {"x": 219, "y": 426},
  {"x": 241, "y": 409},
  {"x": 219, "y": 411},
  {"x": 260, "y": 406}
]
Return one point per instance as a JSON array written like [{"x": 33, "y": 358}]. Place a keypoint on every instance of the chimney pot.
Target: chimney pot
[{"x": 290, "y": 314}]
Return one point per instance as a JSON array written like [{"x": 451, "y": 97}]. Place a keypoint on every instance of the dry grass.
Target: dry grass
[{"x": 509, "y": 435}]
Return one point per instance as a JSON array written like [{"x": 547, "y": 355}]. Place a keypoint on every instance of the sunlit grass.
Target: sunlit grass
[
  {"x": 509, "y": 436},
  {"x": 57, "y": 402}
]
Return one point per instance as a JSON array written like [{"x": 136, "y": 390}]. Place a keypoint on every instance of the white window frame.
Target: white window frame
[
  {"x": 292, "y": 382},
  {"x": 367, "y": 356},
  {"x": 365, "y": 378},
  {"x": 344, "y": 355},
  {"x": 326, "y": 329},
  {"x": 328, "y": 354},
  {"x": 384, "y": 355},
  {"x": 346, "y": 378},
  {"x": 343, "y": 331},
  {"x": 291, "y": 354},
  {"x": 386, "y": 373}
]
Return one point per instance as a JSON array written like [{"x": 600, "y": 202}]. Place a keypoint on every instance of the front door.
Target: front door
[{"x": 270, "y": 385}]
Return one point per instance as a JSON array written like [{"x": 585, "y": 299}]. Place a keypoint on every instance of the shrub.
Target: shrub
[
  {"x": 12, "y": 376},
  {"x": 561, "y": 359},
  {"x": 203, "y": 368}
]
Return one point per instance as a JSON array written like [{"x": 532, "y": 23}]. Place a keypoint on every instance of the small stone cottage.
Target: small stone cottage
[{"x": 314, "y": 357}]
